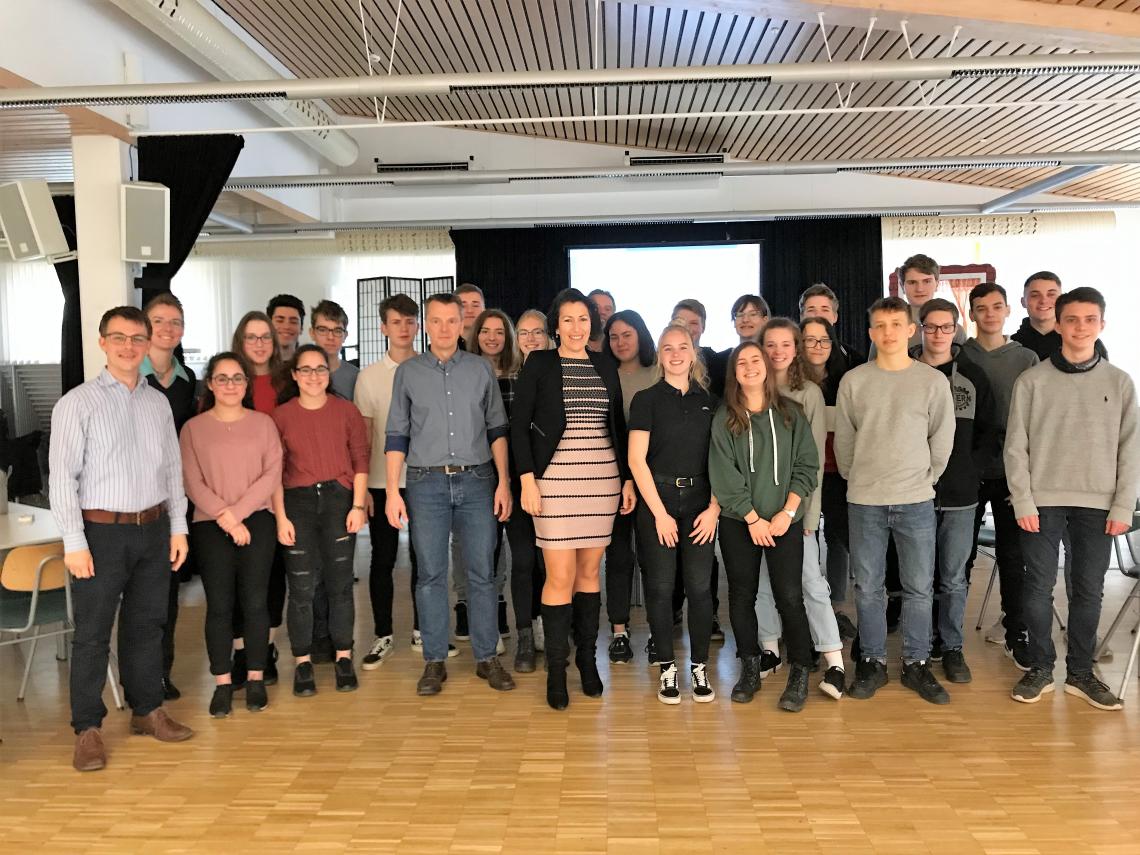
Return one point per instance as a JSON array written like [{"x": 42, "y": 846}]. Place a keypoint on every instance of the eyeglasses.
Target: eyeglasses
[
  {"x": 336, "y": 332},
  {"x": 118, "y": 339},
  {"x": 309, "y": 371},
  {"x": 250, "y": 338},
  {"x": 531, "y": 333},
  {"x": 749, "y": 316},
  {"x": 173, "y": 323},
  {"x": 812, "y": 341},
  {"x": 945, "y": 329},
  {"x": 227, "y": 380}
]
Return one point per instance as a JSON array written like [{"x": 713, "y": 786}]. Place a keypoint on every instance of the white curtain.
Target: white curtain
[
  {"x": 203, "y": 286},
  {"x": 31, "y": 312}
]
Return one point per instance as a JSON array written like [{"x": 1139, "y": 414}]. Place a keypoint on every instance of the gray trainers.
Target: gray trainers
[
  {"x": 1086, "y": 686},
  {"x": 1035, "y": 683}
]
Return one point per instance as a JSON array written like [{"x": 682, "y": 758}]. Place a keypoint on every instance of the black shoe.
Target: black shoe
[
  {"x": 703, "y": 692},
  {"x": 717, "y": 630},
  {"x": 271, "y": 665},
  {"x": 1092, "y": 691},
  {"x": 894, "y": 612},
  {"x": 847, "y": 629},
  {"x": 1019, "y": 653},
  {"x": 651, "y": 653},
  {"x": 304, "y": 682},
  {"x": 256, "y": 698},
  {"x": 749, "y": 683},
  {"x": 432, "y": 680},
  {"x": 322, "y": 651},
  {"x": 1035, "y": 683},
  {"x": 936, "y": 651},
  {"x": 870, "y": 676},
  {"x": 524, "y": 651},
  {"x": 239, "y": 671},
  {"x": 795, "y": 692},
  {"x": 169, "y": 690},
  {"x": 667, "y": 691},
  {"x": 918, "y": 677},
  {"x": 954, "y": 664},
  {"x": 770, "y": 663},
  {"x": 832, "y": 682},
  {"x": 496, "y": 676},
  {"x": 345, "y": 675},
  {"x": 222, "y": 704},
  {"x": 462, "y": 633},
  {"x": 620, "y": 649},
  {"x": 504, "y": 628}
]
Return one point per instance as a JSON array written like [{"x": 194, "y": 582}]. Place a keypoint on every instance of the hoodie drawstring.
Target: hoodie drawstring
[
  {"x": 751, "y": 446},
  {"x": 775, "y": 447}
]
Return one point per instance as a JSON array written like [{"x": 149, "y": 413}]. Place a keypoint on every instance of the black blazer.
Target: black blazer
[{"x": 538, "y": 415}]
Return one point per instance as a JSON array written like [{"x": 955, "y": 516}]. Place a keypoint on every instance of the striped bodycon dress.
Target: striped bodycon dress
[{"x": 581, "y": 488}]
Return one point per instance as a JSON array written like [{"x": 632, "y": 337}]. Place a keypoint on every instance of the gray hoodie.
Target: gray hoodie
[{"x": 1002, "y": 366}]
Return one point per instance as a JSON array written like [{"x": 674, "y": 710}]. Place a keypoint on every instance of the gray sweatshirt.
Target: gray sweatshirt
[
  {"x": 810, "y": 398},
  {"x": 1072, "y": 440},
  {"x": 1002, "y": 366},
  {"x": 894, "y": 431}
]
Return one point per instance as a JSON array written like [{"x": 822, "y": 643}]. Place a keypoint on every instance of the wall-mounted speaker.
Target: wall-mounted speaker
[
  {"x": 31, "y": 225},
  {"x": 145, "y": 211}
]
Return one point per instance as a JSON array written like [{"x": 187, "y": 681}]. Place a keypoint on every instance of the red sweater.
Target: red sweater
[
  {"x": 264, "y": 395},
  {"x": 329, "y": 444}
]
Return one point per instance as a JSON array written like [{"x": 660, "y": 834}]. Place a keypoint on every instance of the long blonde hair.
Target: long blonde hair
[
  {"x": 739, "y": 418},
  {"x": 799, "y": 371},
  {"x": 698, "y": 371}
]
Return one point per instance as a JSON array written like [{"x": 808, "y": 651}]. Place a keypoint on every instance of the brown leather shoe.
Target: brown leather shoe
[
  {"x": 496, "y": 676},
  {"x": 431, "y": 683},
  {"x": 90, "y": 755},
  {"x": 161, "y": 726}
]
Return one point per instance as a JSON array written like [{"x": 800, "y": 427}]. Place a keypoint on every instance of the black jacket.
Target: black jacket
[
  {"x": 1045, "y": 344},
  {"x": 538, "y": 415}
]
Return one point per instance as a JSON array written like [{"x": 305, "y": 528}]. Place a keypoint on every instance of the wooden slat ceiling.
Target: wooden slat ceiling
[
  {"x": 1111, "y": 5},
  {"x": 316, "y": 38}
]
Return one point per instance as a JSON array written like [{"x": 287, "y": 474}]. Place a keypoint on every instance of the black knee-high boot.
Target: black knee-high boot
[
  {"x": 556, "y": 625},
  {"x": 587, "y": 608}
]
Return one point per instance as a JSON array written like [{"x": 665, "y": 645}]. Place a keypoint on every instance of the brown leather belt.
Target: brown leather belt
[{"x": 124, "y": 517}]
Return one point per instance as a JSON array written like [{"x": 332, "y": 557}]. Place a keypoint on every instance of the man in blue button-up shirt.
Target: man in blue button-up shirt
[{"x": 447, "y": 421}]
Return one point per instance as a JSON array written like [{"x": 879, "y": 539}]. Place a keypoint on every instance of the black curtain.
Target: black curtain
[
  {"x": 520, "y": 269},
  {"x": 71, "y": 333},
  {"x": 195, "y": 169}
]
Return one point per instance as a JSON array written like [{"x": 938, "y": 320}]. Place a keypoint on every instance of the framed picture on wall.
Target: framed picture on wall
[{"x": 955, "y": 281}]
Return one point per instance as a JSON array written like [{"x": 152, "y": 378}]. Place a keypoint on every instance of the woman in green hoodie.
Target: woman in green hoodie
[{"x": 763, "y": 465}]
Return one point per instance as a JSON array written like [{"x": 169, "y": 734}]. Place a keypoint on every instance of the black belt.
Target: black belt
[
  {"x": 450, "y": 469},
  {"x": 680, "y": 481}
]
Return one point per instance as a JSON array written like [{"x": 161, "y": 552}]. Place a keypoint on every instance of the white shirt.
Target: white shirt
[{"x": 373, "y": 398}]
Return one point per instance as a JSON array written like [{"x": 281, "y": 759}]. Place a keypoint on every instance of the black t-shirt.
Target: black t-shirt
[
  {"x": 679, "y": 428},
  {"x": 182, "y": 395}
]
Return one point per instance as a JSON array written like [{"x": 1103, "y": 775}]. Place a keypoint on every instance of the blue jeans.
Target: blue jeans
[
  {"x": 955, "y": 540},
  {"x": 915, "y": 530},
  {"x": 1091, "y": 549},
  {"x": 462, "y": 505}
]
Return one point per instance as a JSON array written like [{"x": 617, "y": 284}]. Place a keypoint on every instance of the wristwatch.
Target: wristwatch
[{"x": 791, "y": 514}]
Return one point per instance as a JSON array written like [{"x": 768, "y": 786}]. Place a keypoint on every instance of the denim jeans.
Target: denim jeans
[
  {"x": 385, "y": 546},
  {"x": 459, "y": 569},
  {"x": 132, "y": 578},
  {"x": 817, "y": 603},
  {"x": 915, "y": 529},
  {"x": 323, "y": 546},
  {"x": 660, "y": 564},
  {"x": 955, "y": 529},
  {"x": 461, "y": 505},
  {"x": 1091, "y": 550},
  {"x": 1010, "y": 563}
]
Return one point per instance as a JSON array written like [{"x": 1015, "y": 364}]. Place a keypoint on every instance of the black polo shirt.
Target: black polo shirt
[{"x": 679, "y": 428}]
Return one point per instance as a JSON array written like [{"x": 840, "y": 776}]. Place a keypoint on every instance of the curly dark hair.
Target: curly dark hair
[{"x": 572, "y": 295}]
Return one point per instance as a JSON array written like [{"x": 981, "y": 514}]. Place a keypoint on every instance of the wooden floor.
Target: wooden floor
[{"x": 473, "y": 771}]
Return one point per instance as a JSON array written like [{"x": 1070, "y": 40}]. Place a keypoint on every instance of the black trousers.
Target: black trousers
[
  {"x": 714, "y": 587},
  {"x": 785, "y": 569},
  {"x": 1011, "y": 563},
  {"x": 132, "y": 578},
  {"x": 528, "y": 572},
  {"x": 275, "y": 592},
  {"x": 185, "y": 574},
  {"x": 323, "y": 548},
  {"x": 661, "y": 564},
  {"x": 385, "y": 545},
  {"x": 619, "y": 570},
  {"x": 232, "y": 574}
]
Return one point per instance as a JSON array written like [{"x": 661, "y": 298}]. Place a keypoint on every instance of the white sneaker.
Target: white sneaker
[
  {"x": 667, "y": 692},
  {"x": 703, "y": 692},
  {"x": 539, "y": 635},
  {"x": 996, "y": 633},
  {"x": 380, "y": 650},
  {"x": 418, "y": 644}
]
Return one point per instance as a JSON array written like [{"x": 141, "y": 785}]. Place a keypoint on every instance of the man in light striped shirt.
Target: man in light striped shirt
[{"x": 116, "y": 495}]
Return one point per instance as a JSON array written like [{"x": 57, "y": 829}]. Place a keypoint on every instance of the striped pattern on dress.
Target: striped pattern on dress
[{"x": 581, "y": 488}]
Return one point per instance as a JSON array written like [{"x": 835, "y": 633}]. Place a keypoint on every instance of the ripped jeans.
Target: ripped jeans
[{"x": 323, "y": 546}]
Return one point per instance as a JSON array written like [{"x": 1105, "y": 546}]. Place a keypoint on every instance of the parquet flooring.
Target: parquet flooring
[{"x": 473, "y": 771}]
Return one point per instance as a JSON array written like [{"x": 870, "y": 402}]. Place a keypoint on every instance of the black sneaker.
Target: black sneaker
[
  {"x": 462, "y": 633},
  {"x": 703, "y": 691},
  {"x": 620, "y": 649},
  {"x": 504, "y": 627},
  {"x": 222, "y": 704},
  {"x": 304, "y": 683},
  {"x": 870, "y": 676},
  {"x": 380, "y": 650},
  {"x": 1018, "y": 652},
  {"x": 345, "y": 675},
  {"x": 667, "y": 691},
  {"x": 936, "y": 651},
  {"x": 770, "y": 663},
  {"x": 717, "y": 630},
  {"x": 651, "y": 653},
  {"x": 795, "y": 692},
  {"x": 954, "y": 664},
  {"x": 749, "y": 683},
  {"x": 256, "y": 698},
  {"x": 847, "y": 629},
  {"x": 1092, "y": 691},
  {"x": 833, "y": 682},
  {"x": 239, "y": 671},
  {"x": 918, "y": 677},
  {"x": 271, "y": 665},
  {"x": 1035, "y": 683}
]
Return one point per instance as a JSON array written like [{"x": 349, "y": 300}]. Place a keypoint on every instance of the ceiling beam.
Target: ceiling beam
[{"x": 1066, "y": 176}]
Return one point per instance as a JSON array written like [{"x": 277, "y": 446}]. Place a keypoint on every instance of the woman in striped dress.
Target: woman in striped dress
[{"x": 568, "y": 438}]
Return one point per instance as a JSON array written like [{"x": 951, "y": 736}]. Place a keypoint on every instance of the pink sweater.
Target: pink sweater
[{"x": 234, "y": 465}]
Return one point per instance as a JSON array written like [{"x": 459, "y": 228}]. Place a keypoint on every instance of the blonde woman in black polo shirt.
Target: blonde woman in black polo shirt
[{"x": 670, "y": 425}]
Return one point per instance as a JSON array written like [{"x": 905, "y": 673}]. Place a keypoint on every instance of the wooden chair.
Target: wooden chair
[{"x": 35, "y": 591}]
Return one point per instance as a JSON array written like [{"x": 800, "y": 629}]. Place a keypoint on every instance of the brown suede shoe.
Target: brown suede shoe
[
  {"x": 431, "y": 683},
  {"x": 161, "y": 726},
  {"x": 90, "y": 755},
  {"x": 496, "y": 676}
]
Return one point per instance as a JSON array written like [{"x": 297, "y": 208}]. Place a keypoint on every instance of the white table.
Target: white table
[{"x": 13, "y": 533}]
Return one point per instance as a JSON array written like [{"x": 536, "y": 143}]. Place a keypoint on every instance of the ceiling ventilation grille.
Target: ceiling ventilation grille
[
  {"x": 673, "y": 159},
  {"x": 440, "y": 166}
]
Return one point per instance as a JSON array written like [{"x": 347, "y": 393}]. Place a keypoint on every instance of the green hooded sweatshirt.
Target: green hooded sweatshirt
[{"x": 760, "y": 467}]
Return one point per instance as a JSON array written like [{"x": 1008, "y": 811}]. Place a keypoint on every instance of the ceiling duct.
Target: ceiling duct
[
  {"x": 197, "y": 34},
  {"x": 442, "y": 166}
]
